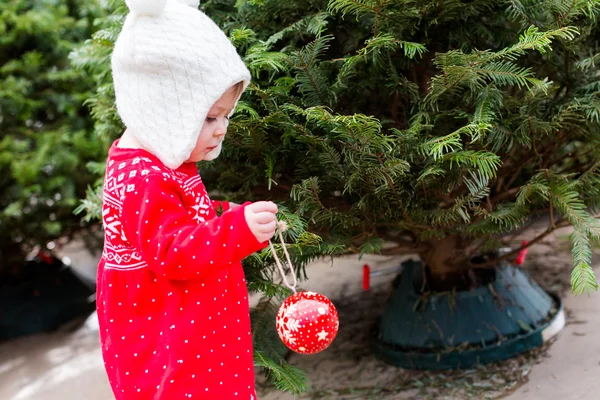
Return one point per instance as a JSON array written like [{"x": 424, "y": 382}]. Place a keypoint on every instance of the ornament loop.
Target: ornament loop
[{"x": 282, "y": 227}]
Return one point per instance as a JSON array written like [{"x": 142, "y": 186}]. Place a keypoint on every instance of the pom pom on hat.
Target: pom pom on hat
[{"x": 147, "y": 7}]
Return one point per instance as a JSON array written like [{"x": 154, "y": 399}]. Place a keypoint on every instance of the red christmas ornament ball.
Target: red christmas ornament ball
[{"x": 307, "y": 322}]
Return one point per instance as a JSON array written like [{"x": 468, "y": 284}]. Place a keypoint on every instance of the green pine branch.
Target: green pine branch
[
  {"x": 583, "y": 279},
  {"x": 312, "y": 24},
  {"x": 311, "y": 80},
  {"x": 480, "y": 68},
  {"x": 484, "y": 163},
  {"x": 358, "y": 8},
  {"x": 588, "y": 63},
  {"x": 566, "y": 199},
  {"x": 284, "y": 376},
  {"x": 377, "y": 49}
]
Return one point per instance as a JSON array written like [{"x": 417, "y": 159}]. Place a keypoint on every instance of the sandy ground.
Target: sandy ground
[
  {"x": 571, "y": 367},
  {"x": 66, "y": 364}
]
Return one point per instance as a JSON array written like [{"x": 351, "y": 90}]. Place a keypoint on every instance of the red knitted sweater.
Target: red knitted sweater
[{"x": 171, "y": 296}]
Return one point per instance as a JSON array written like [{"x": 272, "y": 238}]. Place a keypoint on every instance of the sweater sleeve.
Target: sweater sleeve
[{"x": 174, "y": 244}]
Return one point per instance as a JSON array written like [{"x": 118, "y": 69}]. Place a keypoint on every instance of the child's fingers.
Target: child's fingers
[
  {"x": 264, "y": 217},
  {"x": 264, "y": 206},
  {"x": 267, "y": 228},
  {"x": 261, "y": 219}
]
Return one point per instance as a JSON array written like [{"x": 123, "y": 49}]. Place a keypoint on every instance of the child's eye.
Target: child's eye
[{"x": 210, "y": 119}]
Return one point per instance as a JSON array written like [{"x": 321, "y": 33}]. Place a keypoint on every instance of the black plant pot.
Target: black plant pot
[
  {"x": 450, "y": 330},
  {"x": 43, "y": 296}
]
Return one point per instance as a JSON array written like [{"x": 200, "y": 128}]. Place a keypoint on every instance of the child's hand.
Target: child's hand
[{"x": 261, "y": 220}]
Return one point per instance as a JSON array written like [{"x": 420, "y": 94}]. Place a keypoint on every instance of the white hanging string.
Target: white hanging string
[{"x": 282, "y": 227}]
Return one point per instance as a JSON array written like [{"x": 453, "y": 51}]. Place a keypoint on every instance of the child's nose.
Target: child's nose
[{"x": 221, "y": 129}]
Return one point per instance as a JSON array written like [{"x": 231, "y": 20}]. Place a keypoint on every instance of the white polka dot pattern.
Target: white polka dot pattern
[{"x": 173, "y": 311}]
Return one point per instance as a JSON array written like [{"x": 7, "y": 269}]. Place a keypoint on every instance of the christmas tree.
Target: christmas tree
[
  {"x": 47, "y": 133},
  {"x": 437, "y": 126}
]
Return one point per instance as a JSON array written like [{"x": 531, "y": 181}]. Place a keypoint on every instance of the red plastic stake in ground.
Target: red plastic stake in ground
[
  {"x": 366, "y": 277},
  {"x": 307, "y": 322},
  {"x": 522, "y": 254}
]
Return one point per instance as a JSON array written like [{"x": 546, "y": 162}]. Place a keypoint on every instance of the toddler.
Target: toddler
[{"x": 171, "y": 295}]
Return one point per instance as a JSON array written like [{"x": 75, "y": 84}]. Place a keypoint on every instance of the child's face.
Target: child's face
[{"x": 208, "y": 145}]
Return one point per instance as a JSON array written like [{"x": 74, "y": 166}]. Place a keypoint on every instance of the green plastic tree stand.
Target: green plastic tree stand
[{"x": 507, "y": 317}]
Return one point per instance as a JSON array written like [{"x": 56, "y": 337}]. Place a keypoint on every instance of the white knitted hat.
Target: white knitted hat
[{"x": 170, "y": 64}]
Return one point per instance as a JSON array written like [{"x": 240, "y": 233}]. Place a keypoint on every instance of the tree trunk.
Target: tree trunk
[
  {"x": 438, "y": 257},
  {"x": 442, "y": 273}
]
